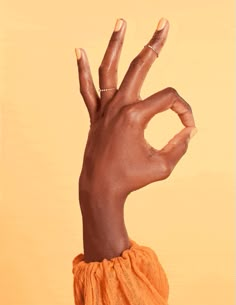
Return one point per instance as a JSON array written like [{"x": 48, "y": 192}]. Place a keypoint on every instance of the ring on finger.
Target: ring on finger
[
  {"x": 106, "y": 89},
  {"x": 148, "y": 45}
]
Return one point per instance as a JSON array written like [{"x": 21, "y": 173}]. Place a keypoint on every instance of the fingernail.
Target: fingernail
[
  {"x": 118, "y": 25},
  {"x": 193, "y": 132},
  {"x": 161, "y": 24},
  {"x": 78, "y": 53}
]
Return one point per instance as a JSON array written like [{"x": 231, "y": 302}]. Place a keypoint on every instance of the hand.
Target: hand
[{"x": 117, "y": 158}]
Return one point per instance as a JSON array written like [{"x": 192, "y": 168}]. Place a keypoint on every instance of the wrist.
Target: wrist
[
  {"x": 99, "y": 192},
  {"x": 104, "y": 231}
]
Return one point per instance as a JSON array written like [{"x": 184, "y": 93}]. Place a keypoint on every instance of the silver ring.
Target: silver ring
[
  {"x": 106, "y": 89},
  {"x": 148, "y": 45}
]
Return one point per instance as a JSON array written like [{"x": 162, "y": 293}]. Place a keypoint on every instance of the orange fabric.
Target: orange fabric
[{"x": 136, "y": 277}]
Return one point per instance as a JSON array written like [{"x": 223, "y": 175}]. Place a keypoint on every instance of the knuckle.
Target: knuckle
[
  {"x": 130, "y": 114},
  {"x": 85, "y": 87},
  {"x": 105, "y": 69},
  {"x": 172, "y": 91},
  {"x": 189, "y": 107},
  {"x": 165, "y": 168},
  {"x": 82, "y": 90},
  {"x": 102, "y": 68},
  {"x": 84, "y": 93},
  {"x": 137, "y": 62}
]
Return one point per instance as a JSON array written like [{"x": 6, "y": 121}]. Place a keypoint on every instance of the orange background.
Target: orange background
[{"x": 188, "y": 218}]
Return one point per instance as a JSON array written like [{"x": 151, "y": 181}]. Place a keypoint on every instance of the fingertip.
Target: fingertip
[
  {"x": 161, "y": 24},
  {"x": 124, "y": 22},
  {"x": 78, "y": 53},
  {"x": 193, "y": 132},
  {"x": 118, "y": 25},
  {"x": 183, "y": 136}
]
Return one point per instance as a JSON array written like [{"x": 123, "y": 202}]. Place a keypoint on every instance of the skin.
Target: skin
[{"x": 117, "y": 158}]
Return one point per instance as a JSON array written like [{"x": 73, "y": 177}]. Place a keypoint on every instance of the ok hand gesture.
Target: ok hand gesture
[{"x": 117, "y": 158}]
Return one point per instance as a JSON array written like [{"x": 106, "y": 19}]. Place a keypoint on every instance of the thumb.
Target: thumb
[
  {"x": 178, "y": 145},
  {"x": 174, "y": 150},
  {"x": 184, "y": 136}
]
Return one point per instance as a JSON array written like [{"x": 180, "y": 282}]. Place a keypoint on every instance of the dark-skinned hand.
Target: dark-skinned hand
[{"x": 117, "y": 157}]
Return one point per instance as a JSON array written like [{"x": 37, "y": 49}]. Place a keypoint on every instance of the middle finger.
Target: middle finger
[{"x": 109, "y": 66}]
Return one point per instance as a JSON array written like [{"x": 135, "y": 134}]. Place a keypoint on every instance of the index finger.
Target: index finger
[
  {"x": 163, "y": 100},
  {"x": 141, "y": 64}
]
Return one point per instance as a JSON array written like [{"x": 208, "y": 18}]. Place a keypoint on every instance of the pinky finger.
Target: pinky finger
[{"x": 87, "y": 88}]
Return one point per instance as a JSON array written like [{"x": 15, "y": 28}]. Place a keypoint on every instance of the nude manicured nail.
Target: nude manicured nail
[
  {"x": 78, "y": 53},
  {"x": 161, "y": 24},
  {"x": 118, "y": 25},
  {"x": 193, "y": 132}
]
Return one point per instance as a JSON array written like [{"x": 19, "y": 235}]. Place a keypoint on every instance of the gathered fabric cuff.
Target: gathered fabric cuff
[{"x": 136, "y": 277}]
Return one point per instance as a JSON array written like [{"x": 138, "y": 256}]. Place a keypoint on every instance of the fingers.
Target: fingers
[
  {"x": 87, "y": 88},
  {"x": 167, "y": 98},
  {"x": 109, "y": 66},
  {"x": 141, "y": 64},
  {"x": 164, "y": 161}
]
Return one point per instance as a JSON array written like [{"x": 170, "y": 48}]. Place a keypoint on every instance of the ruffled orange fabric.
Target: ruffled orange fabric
[{"x": 136, "y": 277}]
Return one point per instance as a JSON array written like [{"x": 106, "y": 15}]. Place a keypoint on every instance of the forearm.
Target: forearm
[{"x": 104, "y": 231}]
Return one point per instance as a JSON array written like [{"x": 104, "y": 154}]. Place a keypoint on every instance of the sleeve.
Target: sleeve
[{"x": 136, "y": 277}]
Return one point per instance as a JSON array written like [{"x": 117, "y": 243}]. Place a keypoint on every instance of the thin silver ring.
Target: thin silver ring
[
  {"x": 148, "y": 45},
  {"x": 106, "y": 89}
]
